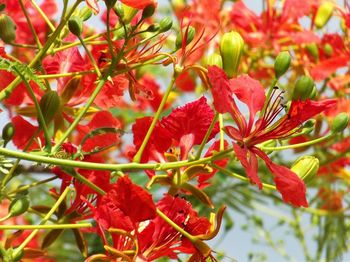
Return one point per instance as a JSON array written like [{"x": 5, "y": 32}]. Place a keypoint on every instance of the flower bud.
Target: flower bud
[
  {"x": 231, "y": 48},
  {"x": 306, "y": 167},
  {"x": 340, "y": 122},
  {"x": 308, "y": 126},
  {"x": 165, "y": 24},
  {"x": 324, "y": 13},
  {"x": 189, "y": 37},
  {"x": 18, "y": 206},
  {"x": 85, "y": 13},
  {"x": 7, "y": 29},
  {"x": 303, "y": 88},
  {"x": 7, "y": 132},
  {"x": 50, "y": 104},
  {"x": 213, "y": 59},
  {"x": 110, "y": 3},
  {"x": 328, "y": 49},
  {"x": 313, "y": 93},
  {"x": 119, "y": 10},
  {"x": 153, "y": 28},
  {"x": 148, "y": 11},
  {"x": 129, "y": 13},
  {"x": 75, "y": 25},
  {"x": 313, "y": 50},
  {"x": 282, "y": 63}
]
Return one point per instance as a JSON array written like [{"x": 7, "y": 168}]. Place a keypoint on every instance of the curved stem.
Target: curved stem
[
  {"x": 37, "y": 227},
  {"x": 137, "y": 157},
  {"x": 308, "y": 143},
  {"x": 43, "y": 221},
  {"x": 111, "y": 167}
]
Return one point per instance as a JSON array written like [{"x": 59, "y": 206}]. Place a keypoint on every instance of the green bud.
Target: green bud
[
  {"x": 75, "y": 25},
  {"x": 231, "y": 49},
  {"x": 7, "y": 132},
  {"x": 213, "y": 59},
  {"x": 120, "y": 33},
  {"x": 306, "y": 167},
  {"x": 148, "y": 11},
  {"x": 7, "y": 29},
  {"x": 165, "y": 24},
  {"x": 313, "y": 93},
  {"x": 119, "y": 10},
  {"x": 308, "y": 126},
  {"x": 328, "y": 49},
  {"x": 303, "y": 88},
  {"x": 85, "y": 13},
  {"x": 18, "y": 206},
  {"x": 340, "y": 122},
  {"x": 282, "y": 63},
  {"x": 50, "y": 105},
  {"x": 190, "y": 35},
  {"x": 153, "y": 28},
  {"x": 129, "y": 13},
  {"x": 313, "y": 50},
  {"x": 324, "y": 13},
  {"x": 110, "y": 3}
]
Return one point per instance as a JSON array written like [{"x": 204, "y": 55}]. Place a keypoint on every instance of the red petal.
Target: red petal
[
  {"x": 305, "y": 37},
  {"x": 188, "y": 124},
  {"x": 293, "y": 9},
  {"x": 100, "y": 119},
  {"x": 133, "y": 200},
  {"x": 139, "y": 4},
  {"x": 291, "y": 187},
  {"x": 185, "y": 82},
  {"x": 328, "y": 67},
  {"x": 24, "y": 131},
  {"x": 250, "y": 92},
  {"x": 249, "y": 162}
]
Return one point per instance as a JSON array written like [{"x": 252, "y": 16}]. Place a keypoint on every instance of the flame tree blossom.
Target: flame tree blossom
[{"x": 247, "y": 135}]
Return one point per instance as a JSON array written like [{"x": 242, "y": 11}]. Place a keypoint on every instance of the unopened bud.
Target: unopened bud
[
  {"x": 148, "y": 11},
  {"x": 324, "y": 13},
  {"x": 328, "y": 49},
  {"x": 340, "y": 122},
  {"x": 213, "y": 59},
  {"x": 303, "y": 88},
  {"x": 313, "y": 93},
  {"x": 313, "y": 50},
  {"x": 75, "y": 25},
  {"x": 119, "y": 10},
  {"x": 129, "y": 13},
  {"x": 306, "y": 167},
  {"x": 165, "y": 24},
  {"x": 189, "y": 34},
  {"x": 110, "y": 3},
  {"x": 7, "y": 132},
  {"x": 50, "y": 104},
  {"x": 85, "y": 13},
  {"x": 7, "y": 29},
  {"x": 18, "y": 206},
  {"x": 231, "y": 49},
  {"x": 308, "y": 126},
  {"x": 282, "y": 63},
  {"x": 153, "y": 28}
]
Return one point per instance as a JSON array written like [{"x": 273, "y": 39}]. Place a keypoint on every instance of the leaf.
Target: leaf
[{"x": 22, "y": 70}]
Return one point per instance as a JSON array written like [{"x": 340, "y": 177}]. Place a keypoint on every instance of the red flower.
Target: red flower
[
  {"x": 188, "y": 124},
  {"x": 266, "y": 127}
]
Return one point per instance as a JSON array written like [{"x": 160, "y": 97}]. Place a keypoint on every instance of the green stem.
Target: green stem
[
  {"x": 8, "y": 90},
  {"x": 308, "y": 143},
  {"x": 43, "y": 221},
  {"x": 38, "y": 227},
  {"x": 174, "y": 225},
  {"x": 26, "y": 187},
  {"x": 115, "y": 167},
  {"x": 137, "y": 157},
  {"x": 222, "y": 138},
  {"x": 206, "y": 137},
  {"x": 91, "y": 58},
  {"x": 43, "y": 15},
  {"x": 31, "y": 27}
]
